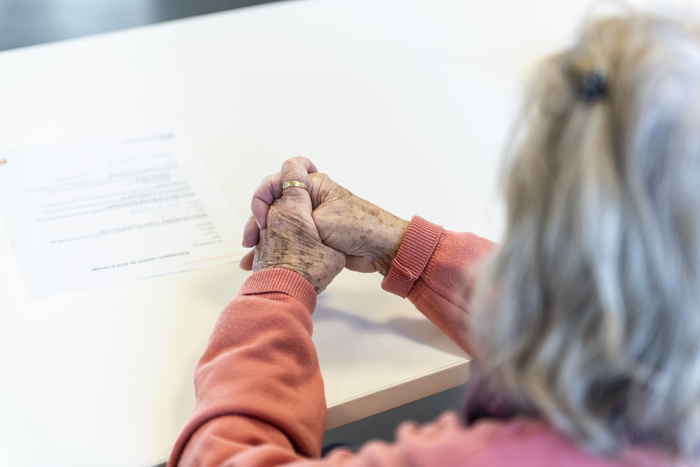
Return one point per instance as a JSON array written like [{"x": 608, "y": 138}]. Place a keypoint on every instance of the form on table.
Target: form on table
[{"x": 102, "y": 211}]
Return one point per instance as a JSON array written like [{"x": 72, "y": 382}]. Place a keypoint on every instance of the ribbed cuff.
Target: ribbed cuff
[
  {"x": 281, "y": 281},
  {"x": 417, "y": 247}
]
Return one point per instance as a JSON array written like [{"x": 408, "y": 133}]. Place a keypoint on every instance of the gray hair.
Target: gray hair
[{"x": 590, "y": 310}]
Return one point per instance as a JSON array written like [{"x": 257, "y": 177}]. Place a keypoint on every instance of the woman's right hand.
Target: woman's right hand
[{"x": 368, "y": 235}]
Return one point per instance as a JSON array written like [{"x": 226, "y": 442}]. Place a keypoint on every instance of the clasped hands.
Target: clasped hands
[{"x": 317, "y": 231}]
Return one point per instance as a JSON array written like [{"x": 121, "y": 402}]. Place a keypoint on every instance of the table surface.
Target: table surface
[{"x": 406, "y": 103}]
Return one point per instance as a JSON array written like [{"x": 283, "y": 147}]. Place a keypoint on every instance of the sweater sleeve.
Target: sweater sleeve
[
  {"x": 258, "y": 382},
  {"x": 437, "y": 271},
  {"x": 259, "y": 392},
  {"x": 260, "y": 399}
]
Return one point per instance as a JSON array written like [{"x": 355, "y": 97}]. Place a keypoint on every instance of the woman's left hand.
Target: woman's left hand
[{"x": 290, "y": 239}]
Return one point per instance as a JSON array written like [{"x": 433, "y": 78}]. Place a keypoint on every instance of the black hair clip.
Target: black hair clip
[{"x": 593, "y": 86}]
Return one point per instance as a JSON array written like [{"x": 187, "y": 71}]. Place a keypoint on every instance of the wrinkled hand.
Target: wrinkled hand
[
  {"x": 368, "y": 235},
  {"x": 290, "y": 239}
]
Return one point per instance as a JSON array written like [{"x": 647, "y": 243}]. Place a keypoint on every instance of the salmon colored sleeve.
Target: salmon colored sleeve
[
  {"x": 260, "y": 399},
  {"x": 437, "y": 271},
  {"x": 258, "y": 381},
  {"x": 259, "y": 391}
]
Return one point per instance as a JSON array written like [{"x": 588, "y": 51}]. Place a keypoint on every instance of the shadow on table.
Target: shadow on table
[{"x": 416, "y": 329}]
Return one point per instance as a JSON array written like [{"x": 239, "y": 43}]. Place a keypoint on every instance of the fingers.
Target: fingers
[
  {"x": 265, "y": 194},
  {"x": 271, "y": 187},
  {"x": 247, "y": 261},
  {"x": 320, "y": 185},
  {"x": 359, "y": 264},
  {"x": 251, "y": 232},
  {"x": 297, "y": 169}
]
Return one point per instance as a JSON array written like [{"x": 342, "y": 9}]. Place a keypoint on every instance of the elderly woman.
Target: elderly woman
[{"x": 585, "y": 322}]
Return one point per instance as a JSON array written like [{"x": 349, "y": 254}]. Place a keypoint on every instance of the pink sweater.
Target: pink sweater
[{"x": 260, "y": 399}]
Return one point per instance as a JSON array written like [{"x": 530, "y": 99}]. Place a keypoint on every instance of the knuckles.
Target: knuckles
[{"x": 291, "y": 239}]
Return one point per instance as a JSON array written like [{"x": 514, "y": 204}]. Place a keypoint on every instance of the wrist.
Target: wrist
[
  {"x": 417, "y": 248},
  {"x": 389, "y": 245},
  {"x": 318, "y": 267},
  {"x": 280, "y": 280}
]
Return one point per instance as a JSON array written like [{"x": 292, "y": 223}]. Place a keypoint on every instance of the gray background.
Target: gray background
[{"x": 30, "y": 22}]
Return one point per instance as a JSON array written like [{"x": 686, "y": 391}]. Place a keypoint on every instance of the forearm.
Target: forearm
[
  {"x": 258, "y": 381},
  {"x": 437, "y": 270}
]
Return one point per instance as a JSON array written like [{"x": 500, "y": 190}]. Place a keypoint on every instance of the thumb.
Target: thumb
[{"x": 323, "y": 189}]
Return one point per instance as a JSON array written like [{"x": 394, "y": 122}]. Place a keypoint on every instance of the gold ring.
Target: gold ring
[{"x": 286, "y": 185}]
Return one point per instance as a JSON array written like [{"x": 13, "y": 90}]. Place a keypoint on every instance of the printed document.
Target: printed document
[{"x": 98, "y": 212}]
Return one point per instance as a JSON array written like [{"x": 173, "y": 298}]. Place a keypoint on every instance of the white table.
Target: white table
[{"x": 406, "y": 103}]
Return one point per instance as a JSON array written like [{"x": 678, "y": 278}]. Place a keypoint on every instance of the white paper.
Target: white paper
[{"x": 98, "y": 212}]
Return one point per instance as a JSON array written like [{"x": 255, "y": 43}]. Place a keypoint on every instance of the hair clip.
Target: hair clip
[{"x": 593, "y": 86}]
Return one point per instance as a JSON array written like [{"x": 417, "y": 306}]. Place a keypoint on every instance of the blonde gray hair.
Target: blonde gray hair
[{"x": 590, "y": 310}]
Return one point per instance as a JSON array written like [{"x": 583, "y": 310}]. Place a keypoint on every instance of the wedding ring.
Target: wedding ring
[{"x": 286, "y": 185}]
